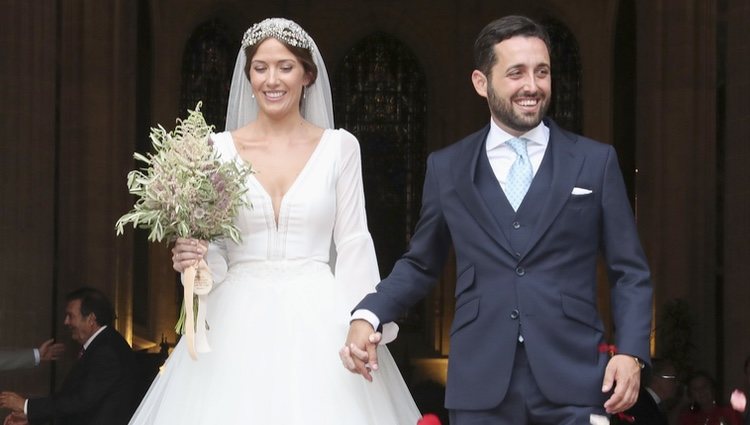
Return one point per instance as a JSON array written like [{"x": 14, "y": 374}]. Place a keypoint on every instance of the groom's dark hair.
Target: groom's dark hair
[{"x": 500, "y": 30}]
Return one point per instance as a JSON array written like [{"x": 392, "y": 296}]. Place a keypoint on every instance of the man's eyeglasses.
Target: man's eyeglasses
[{"x": 668, "y": 377}]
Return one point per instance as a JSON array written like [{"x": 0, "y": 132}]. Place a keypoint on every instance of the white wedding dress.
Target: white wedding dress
[{"x": 278, "y": 315}]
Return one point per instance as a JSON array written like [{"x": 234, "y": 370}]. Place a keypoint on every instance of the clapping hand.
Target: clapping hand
[
  {"x": 49, "y": 351},
  {"x": 12, "y": 401},
  {"x": 16, "y": 418}
]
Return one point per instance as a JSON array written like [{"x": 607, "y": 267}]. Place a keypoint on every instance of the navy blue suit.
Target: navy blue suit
[{"x": 531, "y": 272}]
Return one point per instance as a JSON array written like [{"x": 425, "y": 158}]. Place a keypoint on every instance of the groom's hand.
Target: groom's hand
[
  {"x": 359, "y": 354},
  {"x": 624, "y": 371}
]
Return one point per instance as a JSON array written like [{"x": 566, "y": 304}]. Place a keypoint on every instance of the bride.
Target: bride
[{"x": 280, "y": 303}]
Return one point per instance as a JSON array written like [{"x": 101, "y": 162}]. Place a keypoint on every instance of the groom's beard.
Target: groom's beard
[{"x": 502, "y": 109}]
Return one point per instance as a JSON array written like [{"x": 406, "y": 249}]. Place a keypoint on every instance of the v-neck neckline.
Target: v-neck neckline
[{"x": 276, "y": 215}]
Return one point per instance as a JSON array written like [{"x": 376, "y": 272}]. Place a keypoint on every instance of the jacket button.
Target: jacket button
[
  {"x": 516, "y": 225},
  {"x": 514, "y": 314},
  {"x": 520, "y": 271}
]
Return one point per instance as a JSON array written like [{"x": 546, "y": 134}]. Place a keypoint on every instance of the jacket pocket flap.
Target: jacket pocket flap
[
  {"x": 465, "y": 314},
  {"x": 581, "y": 311},
  {"x": 465, "y": 280}
]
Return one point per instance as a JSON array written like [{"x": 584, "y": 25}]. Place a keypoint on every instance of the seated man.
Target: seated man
[
  {"x": 30, "y": 357},
  {"x": 100, "y": 387}
]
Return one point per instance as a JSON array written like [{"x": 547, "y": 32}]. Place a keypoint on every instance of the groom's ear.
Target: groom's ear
[{"x": 480, "y": 82}]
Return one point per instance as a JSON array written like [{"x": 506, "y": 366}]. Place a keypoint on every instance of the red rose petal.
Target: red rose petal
[{"x": 429, "y": 419}]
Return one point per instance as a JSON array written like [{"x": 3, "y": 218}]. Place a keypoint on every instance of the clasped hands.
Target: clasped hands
[{"x": 359, "y": 355}]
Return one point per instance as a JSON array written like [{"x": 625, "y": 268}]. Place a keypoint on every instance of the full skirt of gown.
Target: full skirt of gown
[{"x": 275, "y": 328}]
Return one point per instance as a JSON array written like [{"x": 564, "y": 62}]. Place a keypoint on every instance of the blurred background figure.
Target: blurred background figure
[
  {"x": 100, "y": 388},
  {"x": 30, "y": 357},
  {"x": 659, "y": 389},
  {"x": 746, "y": 369},
  {"x": 703, "y": 408}
]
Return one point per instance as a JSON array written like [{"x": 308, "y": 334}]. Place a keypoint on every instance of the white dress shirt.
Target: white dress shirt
[{"x": 502, "y": 156}]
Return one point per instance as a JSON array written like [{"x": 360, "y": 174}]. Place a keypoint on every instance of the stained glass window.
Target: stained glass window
[
  {"x": 207, "y": 66},
  {"x": 566, "y": 107},
  {"x": 380, "y": 97}
]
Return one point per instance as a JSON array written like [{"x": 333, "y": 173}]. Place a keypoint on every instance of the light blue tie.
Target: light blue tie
[{"x": 520, "y": 174}]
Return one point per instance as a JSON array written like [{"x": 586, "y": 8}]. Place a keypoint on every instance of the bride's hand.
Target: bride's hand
[{"x": 187, "y": 252}]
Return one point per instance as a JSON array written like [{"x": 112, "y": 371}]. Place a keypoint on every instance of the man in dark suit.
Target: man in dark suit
[
  {"x": 30, "y": 357},
  {"x": 661, "y": 387},
  {"x": 100, "y": 388},
  {"x": 528, "y": 208}
]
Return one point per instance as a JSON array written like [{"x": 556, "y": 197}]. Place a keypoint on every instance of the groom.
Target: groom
[{"x": 529, "y": 208}]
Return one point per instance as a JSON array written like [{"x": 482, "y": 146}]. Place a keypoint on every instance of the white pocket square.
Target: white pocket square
[{"x": 580, "y": 191}]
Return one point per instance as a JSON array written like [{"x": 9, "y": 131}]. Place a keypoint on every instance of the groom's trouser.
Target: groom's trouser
[{"x": 524, "y": 404}]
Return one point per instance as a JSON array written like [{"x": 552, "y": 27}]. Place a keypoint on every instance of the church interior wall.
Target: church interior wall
[{"x": 69, "y": 87}]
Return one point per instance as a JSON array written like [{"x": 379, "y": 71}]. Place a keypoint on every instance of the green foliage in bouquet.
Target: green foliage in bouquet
[
  {"x": 185, "y": 190},
  {"x": 179, "y": 327}
]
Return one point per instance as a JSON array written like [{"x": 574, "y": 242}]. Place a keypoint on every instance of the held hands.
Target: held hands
[
  {"x": 359, "y": 354},
  {"x": 187, "y": 252},
  {"x": 623, "y": 370},
  {"x": 12, "y": 401},
  {"x": 49, "y": 351}
]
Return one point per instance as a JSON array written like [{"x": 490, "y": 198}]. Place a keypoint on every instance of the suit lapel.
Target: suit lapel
[
  {"x": 566, "y": 163},
  {"x": 467, "y": 190},
  {"x": 72, "y": 380}
]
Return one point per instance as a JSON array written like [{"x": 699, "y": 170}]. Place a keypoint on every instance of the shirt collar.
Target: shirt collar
[
  {"x": 497, "y": 136},
  {"x": 91, "y": 338}
]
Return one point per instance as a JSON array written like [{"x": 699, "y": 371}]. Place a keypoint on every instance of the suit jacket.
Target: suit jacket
[
  {"x": 532, "y": 272},
  {"x": 17, "y": 359},
  {"x": 645, "y": 411},
  {"x": 99, "y": 389}
]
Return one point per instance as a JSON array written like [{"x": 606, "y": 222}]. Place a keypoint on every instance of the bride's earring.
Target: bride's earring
[{"x": 304, "y": 92}]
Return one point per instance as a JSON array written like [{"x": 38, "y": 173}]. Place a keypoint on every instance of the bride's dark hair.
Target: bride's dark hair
[{"x": 303, "y": 55}]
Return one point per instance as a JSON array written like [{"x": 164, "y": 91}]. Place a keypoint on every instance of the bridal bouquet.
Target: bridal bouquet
[{"x": 186, "y": 191}]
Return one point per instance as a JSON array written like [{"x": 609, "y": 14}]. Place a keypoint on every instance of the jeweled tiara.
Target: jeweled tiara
[{"x": 279, "y": 28}]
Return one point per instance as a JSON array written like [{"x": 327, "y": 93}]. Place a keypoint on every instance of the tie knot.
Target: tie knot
[{"x": 518, "y": 146}]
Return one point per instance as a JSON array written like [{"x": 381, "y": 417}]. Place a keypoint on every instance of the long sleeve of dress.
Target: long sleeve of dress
[
  {"x": 216, "y": 258},
  {"x": 356, "y": 266}
]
